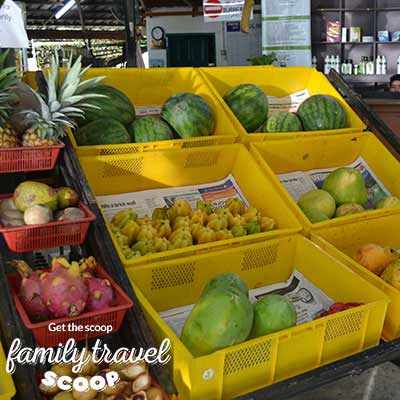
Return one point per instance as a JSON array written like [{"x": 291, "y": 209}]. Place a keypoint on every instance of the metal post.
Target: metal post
[{"x": 131, "y": 12}]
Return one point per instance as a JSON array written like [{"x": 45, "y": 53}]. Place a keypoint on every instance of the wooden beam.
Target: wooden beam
[
  {"x": 64, "y": 34},
  {"x": 172, "y": 13}
]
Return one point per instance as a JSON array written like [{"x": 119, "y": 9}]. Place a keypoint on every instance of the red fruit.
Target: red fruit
[
  {"x": 101, "y": 294},
  {"x": 64, "y": 291},
  {"x": 29, "y": 292}
]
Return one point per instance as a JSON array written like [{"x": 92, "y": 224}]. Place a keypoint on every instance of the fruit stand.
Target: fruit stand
[{"x": 274, "y": 241}]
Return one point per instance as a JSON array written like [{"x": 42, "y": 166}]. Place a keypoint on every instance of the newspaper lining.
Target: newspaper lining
[
  {"x": 300, "y": 182},
  {"x": 308, "y": 299},
  {"x": 146, "y": 201}
]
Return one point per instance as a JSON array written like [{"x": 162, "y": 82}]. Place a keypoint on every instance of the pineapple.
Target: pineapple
[
  {"x": 63, "y": 102},
  {"x": 8, "y": 80}
]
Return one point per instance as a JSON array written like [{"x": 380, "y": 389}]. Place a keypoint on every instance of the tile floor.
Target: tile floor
[{"x": 379, "y": 383}]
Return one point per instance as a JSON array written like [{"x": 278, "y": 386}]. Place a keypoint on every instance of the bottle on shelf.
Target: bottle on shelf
[
  {"x": 349, "y": 67},
  {"x": 362, "y": 65},
  {"x": 327, "y": 66},
  {"x": 384, "y": 65},
  {"x": 337, "y": 64},
  {"x": 343, "y": 69},
  {"x": 356, "y": 69},
  {"x": 378, "y": 63},
  {"x": 398, "y": 65},
  {"x": 314, "y": 62},
  {"x": 370, "y": 68}
]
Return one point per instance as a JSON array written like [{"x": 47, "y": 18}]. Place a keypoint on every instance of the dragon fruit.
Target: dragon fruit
[
  {"x": 29, "y": 292},
  {"x": 101, "y": 294},
  {"x": 63, "y": 290}
]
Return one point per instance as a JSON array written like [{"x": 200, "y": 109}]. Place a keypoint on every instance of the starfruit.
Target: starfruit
[
  {"x": 162, "y": 244},
  {"x": 206, "y": 235},
  {"x": 144, "y": 247},
  {"x": 131, "y": 230},
  {"x": 204, "y": 206},
  {"x": 145, "y": 220},
  {"x": 223, "y": 234},
  {"x": 160, "y": 213},
  {"x": 195, "y": 229},
  {"x": 238, "y": 230},
  {"x": 252, "y": 215},
  {"x": 267, "y": 224},
  {"x": 181, "y": 208},
  {"x": 199, "y": 216},
  {"x": 236, "y": 220},
  {"x": 223, "y": 212},
  {"x": 147, "y": 232},
  {"x": 179, "y": 233},
  {"x": 181, "y": 222},
  {"x": 252, "y": 227},
  {"x": 121, "y": 217},
  {"x": 163, "y": 227},
  {"x": 121, "y": 239},
  {"x": 235, "y": 206},
  {"x": 217, "y": 222}
]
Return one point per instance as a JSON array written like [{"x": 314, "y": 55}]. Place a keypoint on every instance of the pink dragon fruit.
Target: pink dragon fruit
[
  {"x": 63, "y": 290},
  {"x": 29, "y": 292},
  {"x": 101, "y": 294}
]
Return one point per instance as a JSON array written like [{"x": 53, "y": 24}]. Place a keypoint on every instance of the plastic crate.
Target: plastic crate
[
  {"x": 277, "y": 82},
  {"x": 151, "y": 88},
  {"x": 343, "y": 240},
  {"x": 260, "y": 362},
  {"x": 283, "y": 156},
  {"x": 135, "y": 172},
  {"x": 26, "y": 238},
  {"x": 19, "y": 159},
  {"x": 7, "y": 388},
  {"x": 112, "y": 316}
]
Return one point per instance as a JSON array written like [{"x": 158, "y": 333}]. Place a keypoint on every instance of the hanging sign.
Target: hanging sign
[
  {"x": 222, "y": 10},
  {"x": 12, "y": 28},
  {"x": 286, "y": 30}
]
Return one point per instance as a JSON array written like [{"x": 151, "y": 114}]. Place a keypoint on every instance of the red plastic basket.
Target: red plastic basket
[
  {"x": 54, "y": 234},
  {"x": 112, "y": 316},
  {"x": 19, "y": 159}
]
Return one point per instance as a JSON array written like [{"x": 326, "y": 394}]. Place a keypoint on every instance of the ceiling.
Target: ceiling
[{"x": 97, "y": 14}]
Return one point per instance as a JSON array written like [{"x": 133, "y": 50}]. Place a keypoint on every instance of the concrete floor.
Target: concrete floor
[{"x": 379, "y": 383}]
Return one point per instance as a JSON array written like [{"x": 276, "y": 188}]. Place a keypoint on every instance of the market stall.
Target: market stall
[{"x": 165, "y": 218}]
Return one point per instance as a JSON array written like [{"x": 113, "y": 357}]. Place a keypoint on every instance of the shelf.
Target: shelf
[
  {"x": 368, "y": 9},
  {"x": 353, "y": 43},
  {"x": 367, "y": 78}
]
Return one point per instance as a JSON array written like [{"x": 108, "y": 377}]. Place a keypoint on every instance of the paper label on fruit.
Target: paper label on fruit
[
  {"x": 299, "y": 183},
  {"x": 309, "y": 300},
  {"x": 288, "y": 103},
  {"x": 148, "y": 111},
  {"x": 146, "y": 201}
]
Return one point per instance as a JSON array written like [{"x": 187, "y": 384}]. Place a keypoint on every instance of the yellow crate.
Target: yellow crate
[
  {"x": 151, "y": 87},
  {"x": 278, "y": 82},
  {"x": 283, "y": 156},
  {"x": 260, "y": 362},
  {"x": 160, "y": 169},
  {"x": 343, "y": 240},
  {"x": 7, "y": 388}
]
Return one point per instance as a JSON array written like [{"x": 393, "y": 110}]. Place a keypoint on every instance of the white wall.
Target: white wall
[{"x": 232, "y": 48}]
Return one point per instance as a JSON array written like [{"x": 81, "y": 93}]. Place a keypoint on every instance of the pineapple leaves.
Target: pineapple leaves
[{"x": 3, "y": 58}]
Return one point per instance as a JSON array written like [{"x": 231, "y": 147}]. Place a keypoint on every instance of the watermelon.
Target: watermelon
[
  {"x": 149, "y": 129},
  {"x": 283, "y": 121},
  {"x": 189, "y": 115},
  {"x": 102, "y": 131},
  {"x": 116, "y": 105},
  {"x": 250, "y": 105},
  {"x": 321, "y": 112}
]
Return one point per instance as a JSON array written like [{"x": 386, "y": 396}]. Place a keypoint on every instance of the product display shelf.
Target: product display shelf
[{"x": 133, "y": 333}]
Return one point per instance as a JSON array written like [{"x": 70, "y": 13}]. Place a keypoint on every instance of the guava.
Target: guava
[
  {"x": 317, "y": 202},
  {"x": 388, "y": 202},
  {"x": 346, "y": 185},
  {"x": 348, "y": 209}
]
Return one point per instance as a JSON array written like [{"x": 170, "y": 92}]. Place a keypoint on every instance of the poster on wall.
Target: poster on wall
[
  {"x": 12, "y": 27},
  {"x": 286, "y": 30},
  {"x": 223, "y": 10}
]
